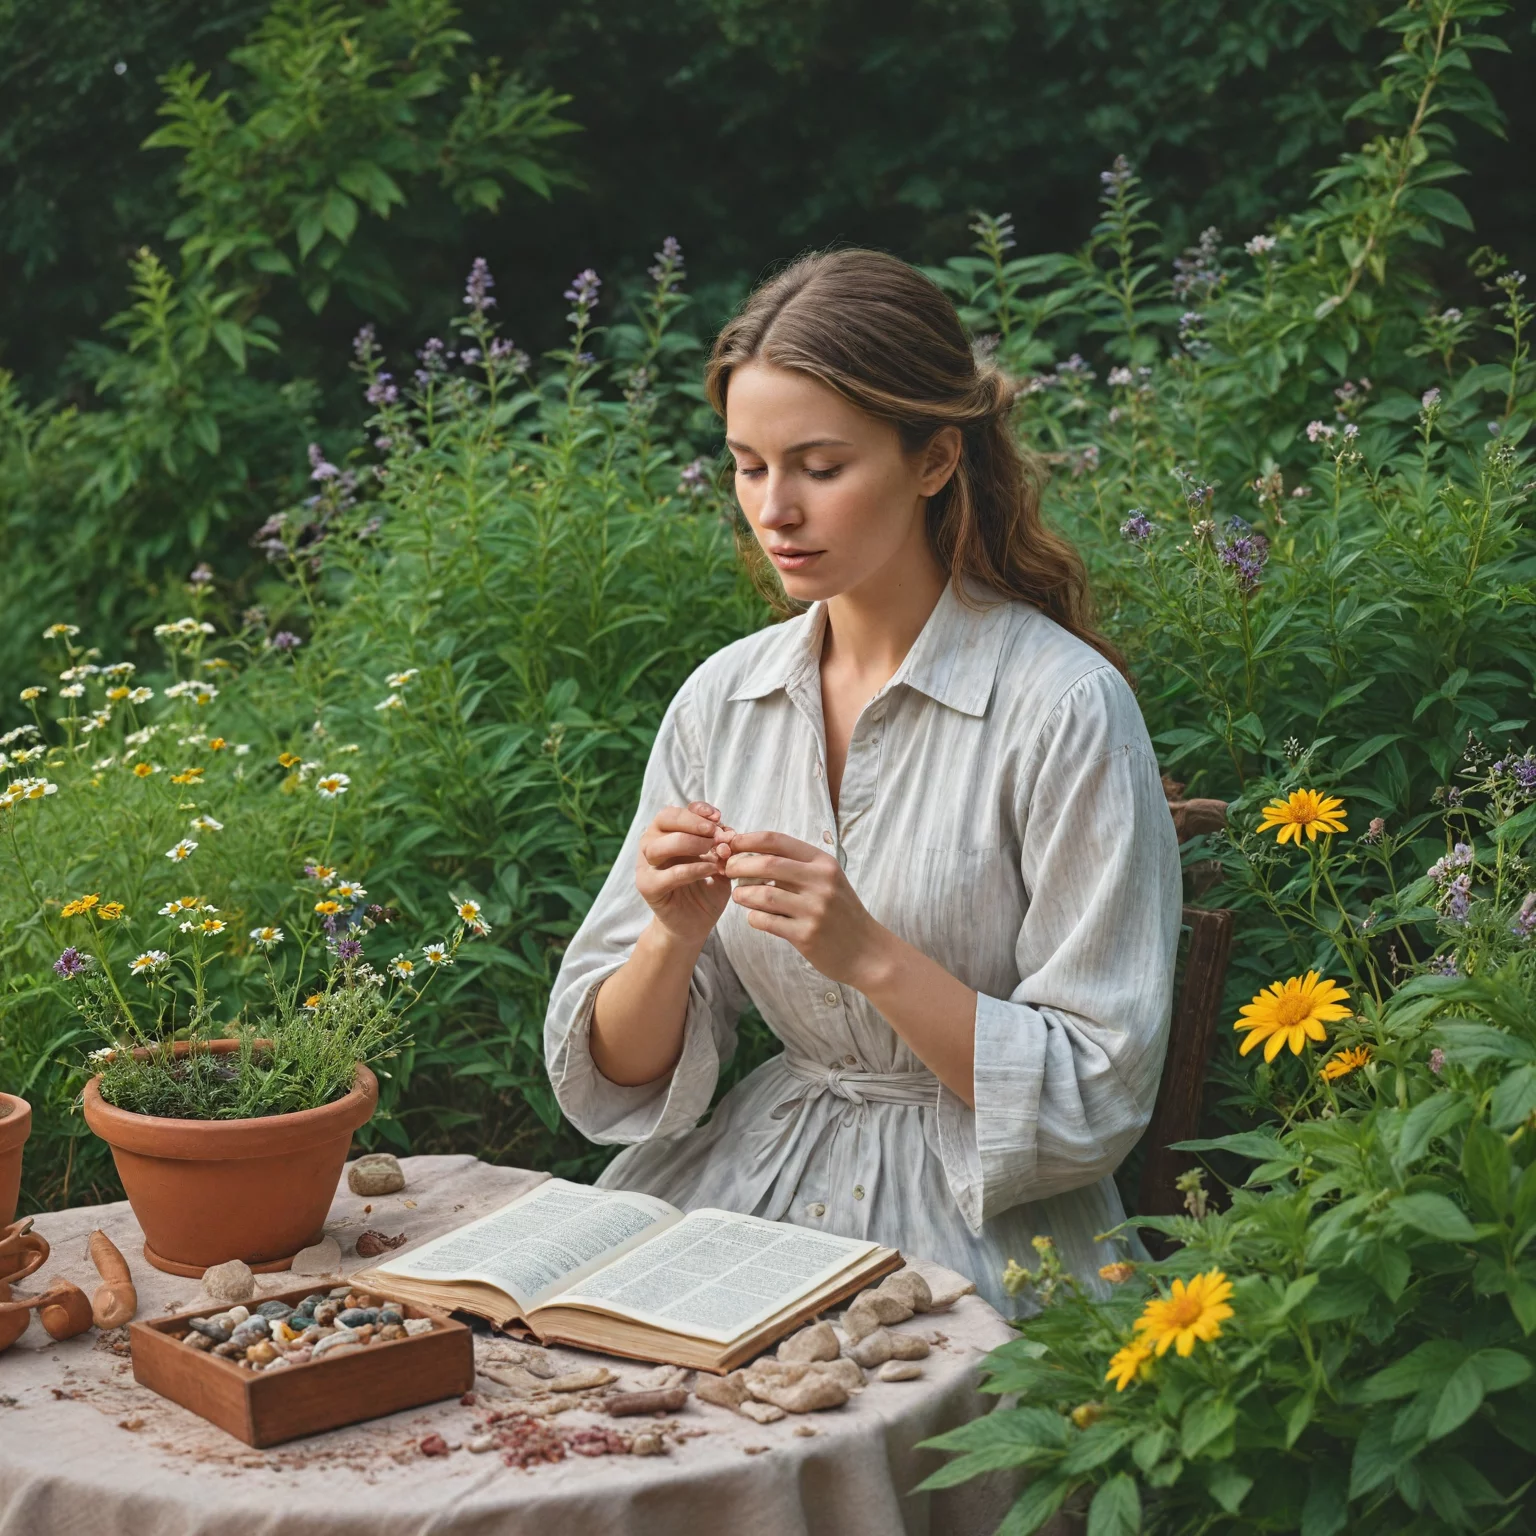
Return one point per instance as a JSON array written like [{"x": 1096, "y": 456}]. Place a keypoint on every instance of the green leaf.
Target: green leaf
[
  {"x": 1427, "y": 1366},
  {"x": 1442, "y": 205},
  {"x": 1513, "y": 1099},
  {"x": 232, "y": 339},
  {"x": 1228, "y": 1486},
  {"x": 309, "y": 230},
  {"x": 1206, "y": 1421},
  {"x": 339, "y": 215},
  {"x": 1435, "y": 1216},
  {"x": 1501, "y": 1369},
  {"x": 1485, "y": 1164},
  {"x": 1326, "y": 1511},
  {"x": 1116, "y": 1508},
  {"x": 1457, "y": 1400},
  {"x": 1428, "y": 1119},
  {"x": 1039, "y": 1501},
  {"x": 1097, "y": 1445}
]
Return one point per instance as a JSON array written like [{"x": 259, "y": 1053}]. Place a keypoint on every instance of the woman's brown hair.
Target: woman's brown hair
[{"x": 888, "y": 340}]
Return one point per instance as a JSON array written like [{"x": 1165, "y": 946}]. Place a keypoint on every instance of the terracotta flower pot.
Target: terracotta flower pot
[
  {"x": 15, "y": 1127},
  {"x": 206, "y": 1191}
]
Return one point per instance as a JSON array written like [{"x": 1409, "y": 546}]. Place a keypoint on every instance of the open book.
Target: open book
[{"x": 628, "y": 1274}]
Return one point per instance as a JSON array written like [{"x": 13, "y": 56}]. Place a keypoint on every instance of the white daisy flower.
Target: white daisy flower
[
  {"x": 206, "y": 824},
  {"x": 182, "y": 851},
  {"x": 71, "y": 690},
  {"x": 402, "y": 967},
  {"x": 267, "y": 936},
  {"x": 400, "y": 679},
  {"x": 437, "y": 954},
  {"x": 150, "y": 960},
  {"x": 55, "y": 630},
  {"x": 394, "y": 701},
  {"x": 332, "y": 785},
  {"x": 348, "y": 890},
  {"x": 470, "y": 916}
]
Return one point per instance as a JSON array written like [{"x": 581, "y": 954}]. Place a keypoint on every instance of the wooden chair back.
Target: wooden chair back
[{"x": 1196, "y": 1017}]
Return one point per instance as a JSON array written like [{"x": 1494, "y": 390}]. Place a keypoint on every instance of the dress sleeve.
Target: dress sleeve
[
  {"x": 1067, "y": 1066},
  {"x": 601, "y": 1110}
]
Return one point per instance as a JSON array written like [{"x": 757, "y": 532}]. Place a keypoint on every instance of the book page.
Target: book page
[
  {"x": 716, "y": 1275},
  {"x": 534, "y": 1247}
]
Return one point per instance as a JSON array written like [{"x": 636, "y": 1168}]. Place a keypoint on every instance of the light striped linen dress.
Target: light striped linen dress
[{"x": 1001, "y": 811}]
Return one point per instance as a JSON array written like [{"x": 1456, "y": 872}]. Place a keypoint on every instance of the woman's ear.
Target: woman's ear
[{"x": 940, "y": 460}]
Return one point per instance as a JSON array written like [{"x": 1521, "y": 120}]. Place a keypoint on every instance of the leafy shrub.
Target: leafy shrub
[{"x": 1349, "y": 1344}]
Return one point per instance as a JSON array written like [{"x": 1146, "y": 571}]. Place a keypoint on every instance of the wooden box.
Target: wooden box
[{"x": 266, "y": 1408}]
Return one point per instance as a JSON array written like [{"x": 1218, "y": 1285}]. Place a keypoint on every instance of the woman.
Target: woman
[{"x": 920, "y": 826}]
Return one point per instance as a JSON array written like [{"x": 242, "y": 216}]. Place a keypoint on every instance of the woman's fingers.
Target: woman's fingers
[
  {"x": 690, "y": 819},
  {"x": 770, "y": 898},
  {"x": 668, "y": 847},
  {"x": 779, "y": 844},
  {"x": 766, "y": 866},
  {"x": 662, "y": 882}
]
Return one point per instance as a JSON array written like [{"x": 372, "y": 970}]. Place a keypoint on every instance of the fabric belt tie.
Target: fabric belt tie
[{"x": 855, "y": 1088}]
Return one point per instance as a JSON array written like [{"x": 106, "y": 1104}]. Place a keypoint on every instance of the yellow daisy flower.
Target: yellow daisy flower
[
  {"x": 118, "y": 694},
  {"x": 1305, "y": 811},
  {"x": 326, "y": 908},
  {"x": 111, "y": 911},
  {"x": 79, "y": 906},
  {"x": 1345, "y": 1062},
  {"x": 289, "y": 760},
  {"x": 217, "y": 744},
  {"x": 314, "y": 1000},
  {"x": 143, "y": 770},
  {"x": 187, "y": 776},
  {"x": 1291, "y": 1013},
  {"x": 1126, "y": 1363},
  {"x": 1193, "y": 1311},
  {"x": 1118, "y": 1272}
]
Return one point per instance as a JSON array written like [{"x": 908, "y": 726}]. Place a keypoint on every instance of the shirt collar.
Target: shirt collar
[{"x": 953, "y": 661}]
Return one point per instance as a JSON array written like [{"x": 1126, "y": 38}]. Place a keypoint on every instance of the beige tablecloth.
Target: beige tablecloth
[{"x": 84, "y": 1450}]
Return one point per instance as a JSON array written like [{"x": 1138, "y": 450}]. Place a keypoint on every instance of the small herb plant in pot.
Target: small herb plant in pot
[
  {"x": 230, "y": 1138},
  {"x": 235, "y": 1062}
]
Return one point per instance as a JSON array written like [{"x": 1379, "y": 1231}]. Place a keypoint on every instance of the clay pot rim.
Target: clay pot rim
[
  {"x": 217, "y": 1140},
  {"x": 15, "y": 1123}
]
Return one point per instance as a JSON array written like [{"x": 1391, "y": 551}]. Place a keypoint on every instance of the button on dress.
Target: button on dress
[{"x": 1002, "y": 811}]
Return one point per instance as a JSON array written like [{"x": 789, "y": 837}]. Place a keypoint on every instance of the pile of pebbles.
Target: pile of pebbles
[{"x": 324, "y": 1325}]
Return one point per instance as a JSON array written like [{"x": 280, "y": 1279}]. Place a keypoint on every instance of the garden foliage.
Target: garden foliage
[{"x": 1301, "y": 480}]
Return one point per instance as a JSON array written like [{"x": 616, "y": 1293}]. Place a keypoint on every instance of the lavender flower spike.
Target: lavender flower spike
[
  {"x": 1138, "y": 527},
  {"x": 583, "y": 290},
  {"x": 477, "y": 288}
]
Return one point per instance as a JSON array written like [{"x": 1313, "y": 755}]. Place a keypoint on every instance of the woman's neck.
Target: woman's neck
[{"x": 871, "y": 628}]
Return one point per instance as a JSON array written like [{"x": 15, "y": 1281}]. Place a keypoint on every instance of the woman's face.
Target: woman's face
[{"x": 831, "y": 495}]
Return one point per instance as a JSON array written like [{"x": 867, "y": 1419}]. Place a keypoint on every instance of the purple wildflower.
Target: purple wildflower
[
  {"x": 286, "y": 640},
  {"x": 202, "y": 575},
  {"x": 583, "y": 293},
  {"x": 1524, "y": 924},
  {"x": 71, "y": 963},
  {"x": 503, "y": 351},
  {"x": 1437, "y": 1058},
  {"x": 1118, "y": 177},
  {"x": 1458, "y": 897},
  {"x": 1523, "y": 771},
  {"x": 477, "y": 288},
  {"x": 1138, "y": 527},
  {"x": 348, "y": 950},
  {"x": 319, "y": 468},
  {"x": 1443, "y": 869},
  {"x": 1429, "y": 399},
  {"x": 1197, "y": 273},
  {"x": 382, "y": 391},
  {"x": 364, "y": 344},
  {"x": 1246, "y": 552},
  {"x": 669, "y": 262},
  {"x": 1376, "y": 830},
  {"x": 694, "y": 479},
  {"x": 1444, "y": 965}
]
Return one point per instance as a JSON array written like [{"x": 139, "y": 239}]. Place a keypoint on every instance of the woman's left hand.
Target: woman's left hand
[{"x": 809, "y": 902}]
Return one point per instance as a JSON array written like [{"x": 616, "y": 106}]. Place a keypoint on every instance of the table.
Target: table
[{"x": 85, "y": 1450}]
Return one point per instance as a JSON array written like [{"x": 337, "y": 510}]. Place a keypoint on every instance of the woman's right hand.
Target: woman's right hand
[{"x": 679, "y": 871}]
